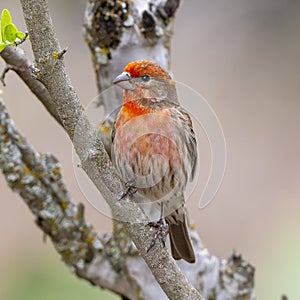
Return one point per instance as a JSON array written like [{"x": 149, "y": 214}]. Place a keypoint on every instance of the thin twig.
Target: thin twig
[
  {"x": 6, "y": 70},
  {"x": 19, "y": 62},
  {"x": 26, "y": 34}
]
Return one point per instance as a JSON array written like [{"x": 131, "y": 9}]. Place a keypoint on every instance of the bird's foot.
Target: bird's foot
[
  {"x": 129, "y": 191},
  {"x": 161, "y": 232}
]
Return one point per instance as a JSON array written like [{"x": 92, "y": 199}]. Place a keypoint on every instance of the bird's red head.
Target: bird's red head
[
  {"x": 146, "y": 80},
  {"x": 144, "y": 67}
]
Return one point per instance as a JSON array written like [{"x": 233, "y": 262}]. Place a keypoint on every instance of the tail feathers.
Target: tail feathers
[{"x": 181, "y": 246}]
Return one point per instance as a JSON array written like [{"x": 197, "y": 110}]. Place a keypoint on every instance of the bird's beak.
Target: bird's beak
[{"x": 123, "y": 80}]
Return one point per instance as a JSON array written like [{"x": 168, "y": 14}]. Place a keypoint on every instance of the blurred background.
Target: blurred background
[{"x": 244, "y": 58}]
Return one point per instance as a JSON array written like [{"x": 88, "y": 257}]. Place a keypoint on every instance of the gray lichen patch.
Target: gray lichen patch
[{"x": 105, "y": 24}]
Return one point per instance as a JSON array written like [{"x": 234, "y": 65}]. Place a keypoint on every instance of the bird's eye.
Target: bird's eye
[{"x": 145, "y": 78}]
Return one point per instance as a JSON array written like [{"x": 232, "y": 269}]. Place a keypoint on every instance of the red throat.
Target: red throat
[{"x": 132, "y": 109}]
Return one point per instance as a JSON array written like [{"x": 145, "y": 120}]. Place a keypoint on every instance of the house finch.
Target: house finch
[{"x": 154, "y": 146}]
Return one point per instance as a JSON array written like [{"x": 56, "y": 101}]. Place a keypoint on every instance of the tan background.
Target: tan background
[{"x": 244, "y": 58}]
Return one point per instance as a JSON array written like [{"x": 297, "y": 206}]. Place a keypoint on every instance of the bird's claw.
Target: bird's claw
[
  {"x": 161, "y": 232},
  {"x": 129, "y": 191}
]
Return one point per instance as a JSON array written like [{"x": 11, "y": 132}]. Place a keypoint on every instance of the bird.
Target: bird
[{"x": 154, "y": 147}]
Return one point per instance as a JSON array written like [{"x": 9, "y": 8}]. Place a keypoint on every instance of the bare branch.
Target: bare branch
[
  {"x": 5, "y": 71},
  {"x": 19, "y": 62},
  {"x": 37, "y": 178}
]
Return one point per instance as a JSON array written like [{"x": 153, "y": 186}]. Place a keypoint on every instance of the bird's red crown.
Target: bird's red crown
[{"x": 144, "y": 67}]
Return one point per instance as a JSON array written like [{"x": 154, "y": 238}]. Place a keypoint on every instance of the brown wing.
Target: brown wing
[{"x": 188, "y": 136}]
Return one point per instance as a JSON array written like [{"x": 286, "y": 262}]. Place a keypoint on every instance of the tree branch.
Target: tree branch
[
  {"x": 91, "y": 152},
  {"x": 19, "y": 62}
]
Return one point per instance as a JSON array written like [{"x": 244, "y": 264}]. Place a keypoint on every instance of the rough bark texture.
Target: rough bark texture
[{"x": 117, "y": 32}]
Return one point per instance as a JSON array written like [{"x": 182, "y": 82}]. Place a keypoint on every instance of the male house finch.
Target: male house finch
[{"x": 154, "y": 146}]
